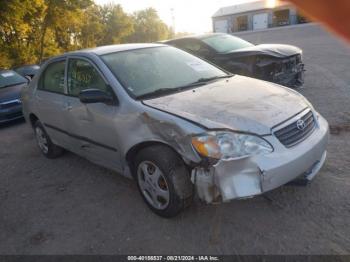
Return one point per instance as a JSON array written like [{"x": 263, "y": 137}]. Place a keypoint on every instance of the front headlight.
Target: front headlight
[{"x": 226, "y": 145}]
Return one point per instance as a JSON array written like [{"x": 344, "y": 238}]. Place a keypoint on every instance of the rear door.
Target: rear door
[
  {"x": 49, "y": 101},
  {"x": 92, "y": 127}
]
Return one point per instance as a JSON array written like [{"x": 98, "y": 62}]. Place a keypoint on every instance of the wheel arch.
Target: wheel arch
[
  {"x": 33, "y": 118},
  {"x": 132, "y": 152}
]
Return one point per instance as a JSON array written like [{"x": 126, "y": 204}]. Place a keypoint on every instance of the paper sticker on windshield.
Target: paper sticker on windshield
[
  {"x": 198, "y": 66},
  {"x": 7, "y": 74}
]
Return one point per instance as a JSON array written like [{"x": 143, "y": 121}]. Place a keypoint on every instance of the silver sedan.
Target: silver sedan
[{"x": 174, "y": 123}]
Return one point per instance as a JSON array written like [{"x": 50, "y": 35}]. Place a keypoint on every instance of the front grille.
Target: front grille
[
  {"x": 10, "y": 104},
  {"x": 295, "y": 132}
]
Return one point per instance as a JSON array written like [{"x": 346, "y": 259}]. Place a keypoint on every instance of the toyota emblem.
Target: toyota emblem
[{"x": 301, "y": 124}]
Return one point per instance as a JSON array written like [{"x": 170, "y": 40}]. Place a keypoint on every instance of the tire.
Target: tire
[
  {"x": 47, "y": 148},
  {"x": 163, "y": 180}
]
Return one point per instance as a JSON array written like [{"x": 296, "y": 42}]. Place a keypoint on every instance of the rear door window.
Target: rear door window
[{"x": 52, "y": 80}]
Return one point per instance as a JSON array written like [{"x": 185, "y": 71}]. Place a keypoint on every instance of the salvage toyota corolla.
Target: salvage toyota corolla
[{"x": 174, "y": 123}]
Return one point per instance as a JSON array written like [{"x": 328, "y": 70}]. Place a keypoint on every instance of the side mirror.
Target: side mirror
[
  {"x": 91, "y": 96},
  {"x": 29, "y": 79}
]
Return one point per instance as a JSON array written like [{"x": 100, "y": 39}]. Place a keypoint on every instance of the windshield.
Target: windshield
[
  {"x": 226, "y": 43},
  {"x": 148, "y": 70},
  {"x": 10, "y": 78}
]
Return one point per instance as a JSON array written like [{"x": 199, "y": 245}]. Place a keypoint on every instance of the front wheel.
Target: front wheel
[{"x": 163, "y": 180}]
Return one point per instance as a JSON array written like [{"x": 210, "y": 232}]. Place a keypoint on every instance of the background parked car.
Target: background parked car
[
  {"x": 281, "y": 64},
  {"x": 11, "y": 84},
  {"x": 27, "y": 70}
]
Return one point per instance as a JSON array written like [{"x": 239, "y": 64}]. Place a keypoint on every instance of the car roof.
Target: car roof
[
  {"x": 199, "y": 37},
  {"x": 102, "y": 50}
]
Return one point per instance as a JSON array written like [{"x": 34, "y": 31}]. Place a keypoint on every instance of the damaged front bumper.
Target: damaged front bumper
[
  {"x": 292, "y": 78},
  {"x": 289, "y": 72},
  {"x": 250, "y": 176}
]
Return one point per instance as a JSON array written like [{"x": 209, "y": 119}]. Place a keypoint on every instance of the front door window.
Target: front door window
[{"x": 82, "y": 75}]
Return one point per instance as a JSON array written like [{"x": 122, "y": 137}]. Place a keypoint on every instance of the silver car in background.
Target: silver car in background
[{"x": 174, "y": 123}]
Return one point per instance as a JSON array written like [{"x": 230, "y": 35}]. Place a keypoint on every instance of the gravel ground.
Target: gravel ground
[{"x": 71, "y": 206}]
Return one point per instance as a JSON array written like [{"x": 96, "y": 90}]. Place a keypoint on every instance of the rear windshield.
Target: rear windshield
[
  {"x": 10, "y": 78},
  {"x": 226, "y": 43}
]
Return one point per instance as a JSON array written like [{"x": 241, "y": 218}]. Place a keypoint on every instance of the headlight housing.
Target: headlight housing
[{"x": 228, "y": 145}]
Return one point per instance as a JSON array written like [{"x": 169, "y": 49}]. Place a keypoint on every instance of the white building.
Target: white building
[{"x": 254, "y": 16}]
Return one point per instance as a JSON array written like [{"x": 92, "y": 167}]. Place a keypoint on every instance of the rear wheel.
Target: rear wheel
[
  {"x": 49, "y": 149},
  {"x": 163, "y": 180}
]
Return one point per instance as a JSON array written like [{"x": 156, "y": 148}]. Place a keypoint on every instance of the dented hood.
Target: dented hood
[
  {"x": 239, "y": 103},
  {"x": 274, "y": 50}
]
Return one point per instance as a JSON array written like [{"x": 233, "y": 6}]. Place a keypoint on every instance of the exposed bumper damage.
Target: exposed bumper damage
[
  {"x": 285, "y": 71},
  {"x": 281, "y": 64},
  {"x": 247, "y": 177}
]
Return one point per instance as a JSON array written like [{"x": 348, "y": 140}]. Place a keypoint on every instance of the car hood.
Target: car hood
[
  {"x": 10, "y": 93},
  {"x": 274, "y": 50},
  {"x": 239, "y": 103}
]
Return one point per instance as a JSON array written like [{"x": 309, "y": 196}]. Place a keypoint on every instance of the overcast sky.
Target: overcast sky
[{"x": 193, "y": 16}]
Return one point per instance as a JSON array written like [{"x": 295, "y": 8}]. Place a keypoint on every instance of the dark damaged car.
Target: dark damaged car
[{"x": 277, "y": 63}]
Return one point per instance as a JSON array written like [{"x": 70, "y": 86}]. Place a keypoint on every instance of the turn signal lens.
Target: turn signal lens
[{"x": 207, "y": 146}]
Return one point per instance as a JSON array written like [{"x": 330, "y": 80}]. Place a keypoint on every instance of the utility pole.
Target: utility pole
[{"x": 172, "y": 10}]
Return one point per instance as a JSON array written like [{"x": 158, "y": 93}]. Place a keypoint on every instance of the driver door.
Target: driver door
[{"x": 91, "y": 127}]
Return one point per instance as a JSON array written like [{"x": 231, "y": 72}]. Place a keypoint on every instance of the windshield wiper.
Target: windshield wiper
[
  {"x": 208, "y": 79},
  {"x": 164, "y": 91}
]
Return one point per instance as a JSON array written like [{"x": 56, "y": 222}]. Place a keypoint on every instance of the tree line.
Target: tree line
[{"x": 34, "y": 30}]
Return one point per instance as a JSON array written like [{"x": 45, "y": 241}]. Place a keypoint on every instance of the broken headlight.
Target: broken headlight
[{"x": 227, "y": 145}]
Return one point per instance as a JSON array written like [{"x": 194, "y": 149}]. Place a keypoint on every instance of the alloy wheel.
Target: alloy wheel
[
  {"x": 153, "y": 185},
  {"x": 41, "y": 140}
]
